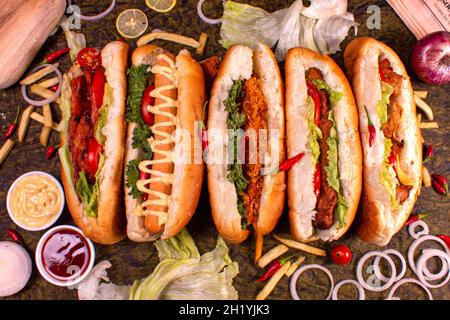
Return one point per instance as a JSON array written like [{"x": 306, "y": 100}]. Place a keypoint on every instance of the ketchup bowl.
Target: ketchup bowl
[{"x": 64, "y": 256}]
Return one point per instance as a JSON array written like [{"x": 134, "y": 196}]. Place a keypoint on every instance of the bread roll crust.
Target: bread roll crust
[
  {"x": 109, "y": 226},
  {"x": 378, "y": 222},
  {"x": 300, "y": 185}
]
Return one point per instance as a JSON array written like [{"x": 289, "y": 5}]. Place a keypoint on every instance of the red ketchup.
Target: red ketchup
[{"x": 65, "y": 254}]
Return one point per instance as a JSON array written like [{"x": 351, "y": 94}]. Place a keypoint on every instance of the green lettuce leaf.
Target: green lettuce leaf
[
  {"x": 314, "y": 133},
  {"x": 183, "y": 274},
  {"x": 101, "y": 122},
  {"x": 137, "y": 82},
  {"x": 334, "y": 96},
  {"x": 388, "y": 177},
  {"x": 386, "y": 92},
  {"x": 89, "y": 194}
]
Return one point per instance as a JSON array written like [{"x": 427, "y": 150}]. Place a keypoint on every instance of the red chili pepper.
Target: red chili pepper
[
  {"x": 54, "y": 88},
  {"x": 382, "y": 75},
  {"x": 317, "y": 179},
  {"x": 14, "y": 235},
  {"x": 445, "y": 238},
  {"x": 204, "y": 134},
  {"x": 372, "y": 130},
  {"x": 428, "y": 154},
  {"x": 55, "y": 55},
  {"x": 51, "y": 150},
  {"x": 415, "y": 217},
  {"x": 314, "y": 94},
  {"x": 440, "y": 184},
  {"x": 12, "y": 126},
  {"x": 274, "y": 267},
  {"x": 289, "y": 163}
]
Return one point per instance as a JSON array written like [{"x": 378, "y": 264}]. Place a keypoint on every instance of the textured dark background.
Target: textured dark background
[{"x": 134, "y": 261}]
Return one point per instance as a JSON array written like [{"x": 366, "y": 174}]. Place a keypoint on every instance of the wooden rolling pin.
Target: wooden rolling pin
[{"x": 24, "y": 27}]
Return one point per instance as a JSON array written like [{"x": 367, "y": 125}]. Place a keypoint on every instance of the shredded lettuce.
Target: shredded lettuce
[
  {"x": 101, "y": 122},
  {"x": 386, "y": 92},
  {"x": 334, "y": 96},
  {"x": 89, "y": 194},
  {"x": 314, "y": 133},
  {"x": 387, "y": 176},
  {"x": 183, "y": 274}
]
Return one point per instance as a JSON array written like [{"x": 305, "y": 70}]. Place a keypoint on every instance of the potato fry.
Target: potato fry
[
  {"x": 6, "y": 149},
  {"x": 273, "y": 281},
  {"x": 49, "y": 83},
  {"x": 202, "y": 41},
  {"x": 426, "y": 178},
  {"x": 272, "y": 254},
  {"x": 259, "y": 246},
  {"x": 301, "y": 246},
  {"x": 39, "y": 118},
  {"x": 421, "y": 94},
  {"x": 294, "y": 266},
  {"x": 419, "y": 118},
  {"x": 43, "y": 92},
  {"x": 24, "y": 123},
  {"x": 45, "y": 135},
  {"x": 424, "y": 107},
  {"x": 38, "y": 75},
  {"x": 47, "y": 129},
  {"x": 172, "y": 37},
  {"x": 429, "y": 125}
]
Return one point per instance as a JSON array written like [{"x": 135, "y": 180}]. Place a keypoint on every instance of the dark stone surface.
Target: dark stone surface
[{"x": 133, "y": 261}]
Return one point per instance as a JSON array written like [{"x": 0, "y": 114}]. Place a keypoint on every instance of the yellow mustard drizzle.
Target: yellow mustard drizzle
[{"x": 145, "y": 166}]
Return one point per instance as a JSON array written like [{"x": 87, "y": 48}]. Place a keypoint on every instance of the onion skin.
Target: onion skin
[{"x": 431, "y": 58}]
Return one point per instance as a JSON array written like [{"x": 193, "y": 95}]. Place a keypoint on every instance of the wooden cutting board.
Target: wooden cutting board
[{"x": 24, "y": 27}]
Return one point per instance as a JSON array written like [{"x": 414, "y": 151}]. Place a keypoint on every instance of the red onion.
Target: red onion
[
  {"x": 431, "y": 58},
  {"x": 40, "y": 103},
  {"x": 205, "y": 18},
  {"x": 96, "y": 17}
]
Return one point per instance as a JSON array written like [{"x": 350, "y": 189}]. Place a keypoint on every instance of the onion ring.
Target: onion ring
[
  {"x": 422, "y": 262},
  {"x": 296, "y": 275},
  {"x": 438, "y": 275},
  {"x": 205, "y": 18},
  {"x": 412, "y": 229},
  {"x": 361, "y": 292},
  {"x": 403, "y": 281},
  {"x": 376, "y": 265},
  {"x": 96, "y": 17},
  {"x": 359, "y": 275},
  {"x": 40, "y": 103},
  {"x": 415, "y": 244}
]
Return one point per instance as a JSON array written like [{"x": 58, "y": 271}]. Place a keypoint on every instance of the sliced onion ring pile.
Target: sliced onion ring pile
[
  {"x": 403, "y": 281},
  {"x": 296, "y": 275},
  {"x": 205, "y": 18},
  {"x": 40, "y": 103},
  {"x": 360, "y": 277},
  {"x": 421, "y": 270},
  {"x": 376, "y": 265},
  {"x": 97, "y": 17},
  {"x": 361, "y": 292},
  {"x": 413, "y": 226}
]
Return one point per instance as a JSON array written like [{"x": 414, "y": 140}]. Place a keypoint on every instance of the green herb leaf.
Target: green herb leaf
[
  {"x": 137, "y": 82},
  {"x": 132, "y": 176}
]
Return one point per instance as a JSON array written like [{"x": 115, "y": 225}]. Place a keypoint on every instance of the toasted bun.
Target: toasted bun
[
  {"x": 241, "y": 62},
  {"x": 378, "y": 221},
  {"x": 188, "y": 168},
  {"x": 109, "y": 226},
  {"x": 301, "y": 198}
]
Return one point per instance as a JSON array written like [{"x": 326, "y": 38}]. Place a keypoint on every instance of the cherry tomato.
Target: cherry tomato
[
  {"x": 94, "y": 150},
  {"x": 98, "y": 89},
  {"x": 341, "y": 254},
  {"x": 147, "y": 100},
  {"x": 90, "y": 59}
]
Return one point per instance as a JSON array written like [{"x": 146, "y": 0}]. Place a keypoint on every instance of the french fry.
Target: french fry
[
  {"x": 259, "y": 246},
  {"x": 273, "y": 281},
  {"x": 429, "y": 125},
  {"x": 47, "y": 129},
  {"x": 424, "y": 107},
  {"x": 49, "y": 83},
  {"x": 426, "y": 178},
  {"x": 172, "y": 37},
  {"x": 39, "y": 118},
  {"x": 43, "y": 92},
  {"x": 295, "y": 266},
  {"x": 38, "y": 75},
  {"x": 301, "y": 246},
  {"x": 202, "y": 41},
  {"x": 421, "y": 94},
  {"x": 24, "y": 123},
  {"x": 6, "y": 149},
  {"x": 272, "y": 254},
  {"x": 419, "y": 118}
]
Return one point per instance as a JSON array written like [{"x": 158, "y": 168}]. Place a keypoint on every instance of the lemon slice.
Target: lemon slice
[
  {"x": 161, "y": 5},
  {"x": 132, "y": 23}
]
